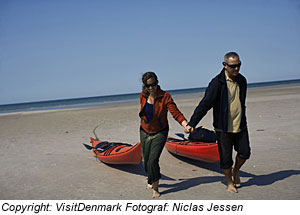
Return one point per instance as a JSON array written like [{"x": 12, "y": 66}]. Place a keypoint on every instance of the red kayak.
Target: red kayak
[
  {"x": 116, "y": 153},
  {"x": 207, "y": 152}
]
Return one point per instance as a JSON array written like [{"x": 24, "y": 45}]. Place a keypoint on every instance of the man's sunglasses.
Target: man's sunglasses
[
  {"x": 232, "y": 66},
  {"x": 151, "y": 85}
]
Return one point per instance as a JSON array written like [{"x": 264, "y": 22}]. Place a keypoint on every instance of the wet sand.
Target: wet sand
[{"x": 42, "y": 156}]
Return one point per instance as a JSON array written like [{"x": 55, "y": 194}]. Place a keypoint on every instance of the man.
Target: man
[{"x": 226, "y": 94}]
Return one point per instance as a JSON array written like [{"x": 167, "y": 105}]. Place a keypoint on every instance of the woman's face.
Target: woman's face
[{"x": 151, "y": 85}]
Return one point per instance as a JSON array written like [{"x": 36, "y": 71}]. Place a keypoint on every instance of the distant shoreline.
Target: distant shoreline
[{"x": 86, "y": 102}]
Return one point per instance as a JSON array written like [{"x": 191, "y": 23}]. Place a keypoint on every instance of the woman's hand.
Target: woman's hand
[{"x": 184, "y": 124}]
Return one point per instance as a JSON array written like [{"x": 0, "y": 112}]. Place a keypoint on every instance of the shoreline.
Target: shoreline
[{"x": 175, "y": 97}]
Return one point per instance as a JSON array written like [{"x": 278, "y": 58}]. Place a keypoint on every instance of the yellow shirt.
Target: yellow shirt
[{"x": 234, "y": 105}]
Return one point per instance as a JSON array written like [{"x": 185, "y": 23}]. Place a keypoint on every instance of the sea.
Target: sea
[{"x": 114, "y": 99}]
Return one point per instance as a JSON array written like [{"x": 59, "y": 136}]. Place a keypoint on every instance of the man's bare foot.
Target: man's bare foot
[
  {"x": 149, "y": 187},
  {"x": 230, "y": 185},
  {"x": 231, "y": 188},
  {"x": 236, "y": 178},
  {"x": 235, "y": 172}
]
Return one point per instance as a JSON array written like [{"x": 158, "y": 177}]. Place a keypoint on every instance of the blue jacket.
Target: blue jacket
[{"x": 216, "y": 97}]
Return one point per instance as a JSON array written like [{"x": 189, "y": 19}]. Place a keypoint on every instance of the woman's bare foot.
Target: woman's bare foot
[
  {"x": 236, "y": 178},
  {"x": 156, "y": 193},
  {"x": 149, "y": 186}
]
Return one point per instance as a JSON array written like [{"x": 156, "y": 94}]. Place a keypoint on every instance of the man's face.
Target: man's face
[{"x": 232, "y": 66}]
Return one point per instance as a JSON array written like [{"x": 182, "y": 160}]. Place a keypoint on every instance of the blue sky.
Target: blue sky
[{"x": 62, "y": 49}]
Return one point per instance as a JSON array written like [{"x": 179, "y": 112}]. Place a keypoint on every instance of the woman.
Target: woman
[{"x": 155, "y": 104}]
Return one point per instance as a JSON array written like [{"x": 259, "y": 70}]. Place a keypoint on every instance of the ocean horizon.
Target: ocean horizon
[{"x": 113, "y": 99}]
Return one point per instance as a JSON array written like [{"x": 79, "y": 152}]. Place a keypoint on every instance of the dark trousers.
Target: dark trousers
[
  {"x": 152, "y": 146},
  {"x": 226, "y": 142}
]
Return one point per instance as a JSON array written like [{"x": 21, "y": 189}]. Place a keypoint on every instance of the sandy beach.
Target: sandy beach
[{"x": 42, "y": 156}]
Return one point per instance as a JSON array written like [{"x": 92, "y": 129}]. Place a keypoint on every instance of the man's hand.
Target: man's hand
[{"x": 188, "y": 129}]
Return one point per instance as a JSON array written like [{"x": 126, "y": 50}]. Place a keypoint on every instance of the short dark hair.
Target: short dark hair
[{"x": 230, "y": 54}]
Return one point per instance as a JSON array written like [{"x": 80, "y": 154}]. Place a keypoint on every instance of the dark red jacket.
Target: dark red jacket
[{"x": 162, "y": 104}]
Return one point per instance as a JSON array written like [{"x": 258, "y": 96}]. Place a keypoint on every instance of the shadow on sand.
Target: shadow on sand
[
  {"x": 257, "y": 180},
  {"x": 184, "y": 184},
  {"x": 214, "y": 167},
  {"x": 136, "y": 169},
  {"x": 264, "y": 180}
]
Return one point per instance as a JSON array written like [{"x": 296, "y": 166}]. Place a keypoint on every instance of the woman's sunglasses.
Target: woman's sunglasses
[{"x": 151, "y": 85}]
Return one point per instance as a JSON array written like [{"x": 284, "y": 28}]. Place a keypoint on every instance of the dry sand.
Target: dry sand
[{"x": 42, "y": 156}]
